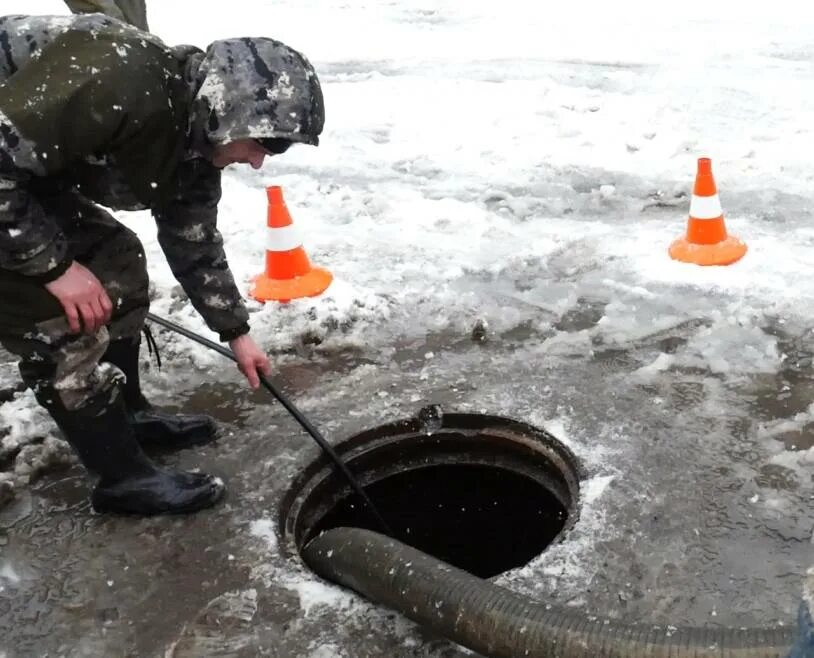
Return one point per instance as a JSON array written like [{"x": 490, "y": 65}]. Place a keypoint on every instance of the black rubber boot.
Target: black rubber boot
[
  {"x": 129, "y": 482},
  {"x": 155, "y": 428}
]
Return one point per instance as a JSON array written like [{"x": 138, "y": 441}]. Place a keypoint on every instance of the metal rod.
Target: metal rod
[{"x": 282, "y": 399}]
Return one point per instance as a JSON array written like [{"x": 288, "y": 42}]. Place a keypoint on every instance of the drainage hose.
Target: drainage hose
[{"x": 496, "y": 622}]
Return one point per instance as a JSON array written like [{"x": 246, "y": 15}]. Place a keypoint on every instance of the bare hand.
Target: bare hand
[
  {"x": 250, "y": 359},
  {"x": 83, "y": 297}
]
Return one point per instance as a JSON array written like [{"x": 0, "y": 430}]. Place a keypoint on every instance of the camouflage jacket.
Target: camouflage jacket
[
  {"x": 93, "y": 103},
  {"x": 90, "y": 102}
]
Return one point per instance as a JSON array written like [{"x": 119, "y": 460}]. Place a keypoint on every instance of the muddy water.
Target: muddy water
[{"x": 699, "y": 522}]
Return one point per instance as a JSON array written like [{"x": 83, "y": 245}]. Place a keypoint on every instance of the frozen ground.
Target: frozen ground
[{"x": 483, "y": 161}]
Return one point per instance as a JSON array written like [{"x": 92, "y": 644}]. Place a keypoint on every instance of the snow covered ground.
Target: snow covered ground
[
  {"x": 471, "y": 144},
  {"x": 528, "y": 166}
]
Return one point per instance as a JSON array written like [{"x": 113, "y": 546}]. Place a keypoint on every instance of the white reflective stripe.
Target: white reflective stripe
[
  {"x": 284, "y": 238},
  {"x": 705, "y": 207}
]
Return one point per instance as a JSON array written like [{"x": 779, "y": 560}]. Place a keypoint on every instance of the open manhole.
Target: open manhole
[{"x": 483, "y": 493}]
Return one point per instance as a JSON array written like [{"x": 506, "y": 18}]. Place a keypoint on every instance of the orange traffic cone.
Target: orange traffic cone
[
  {"x": 288, "y": 274},
  {"x": 706, "y": 242}
]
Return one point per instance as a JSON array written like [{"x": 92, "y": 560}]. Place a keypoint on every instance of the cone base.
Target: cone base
[
  {"x": 725, "y": 252},
  {"x": 315, "y": 282}
]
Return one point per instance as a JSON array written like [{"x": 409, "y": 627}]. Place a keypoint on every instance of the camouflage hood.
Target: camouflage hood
[{"x": 257, "y": 88}]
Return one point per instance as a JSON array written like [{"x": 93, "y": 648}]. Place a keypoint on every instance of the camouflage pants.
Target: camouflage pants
[
  {"x": 54, "y": 361},
  {"x": 129, "y": 11}
]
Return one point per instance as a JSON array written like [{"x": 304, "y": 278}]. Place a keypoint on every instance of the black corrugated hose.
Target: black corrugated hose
[{"x": 499, "y": 623}]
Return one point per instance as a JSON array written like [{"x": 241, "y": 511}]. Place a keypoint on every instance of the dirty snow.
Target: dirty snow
[
  {"x": 504, "y": 163},
  {"x": 265, "y": 529}
]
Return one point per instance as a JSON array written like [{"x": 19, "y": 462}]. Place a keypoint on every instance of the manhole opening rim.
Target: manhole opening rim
[{"x": 513, "y": 443}]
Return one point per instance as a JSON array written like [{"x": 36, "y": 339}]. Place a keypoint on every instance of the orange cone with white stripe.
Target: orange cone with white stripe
[
  {"x": 706, "y": 242},
  {"x": 288, "y": 273}
]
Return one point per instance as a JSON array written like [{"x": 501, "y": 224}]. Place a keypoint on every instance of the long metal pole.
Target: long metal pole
[{"x": 282, "y": 399}]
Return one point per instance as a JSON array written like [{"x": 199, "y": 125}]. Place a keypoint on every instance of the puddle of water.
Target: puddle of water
[{"x": 798, "y": 440}]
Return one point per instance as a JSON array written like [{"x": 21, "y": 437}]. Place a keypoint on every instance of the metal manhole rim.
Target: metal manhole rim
[{"x": 517, "y": 437}]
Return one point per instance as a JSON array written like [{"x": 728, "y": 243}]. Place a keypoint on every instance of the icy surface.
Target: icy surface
[{"x": 524, "y": 169}]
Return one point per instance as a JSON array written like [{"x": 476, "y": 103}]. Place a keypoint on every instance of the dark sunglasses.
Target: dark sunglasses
[{"x": 274, "y": 145}]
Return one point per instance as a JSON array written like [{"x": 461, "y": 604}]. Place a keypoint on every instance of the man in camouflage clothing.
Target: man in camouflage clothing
[{"x": 95, "y": 111}]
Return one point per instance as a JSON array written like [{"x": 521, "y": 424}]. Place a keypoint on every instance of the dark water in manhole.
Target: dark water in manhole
[{"x": 482, "y": 519}]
